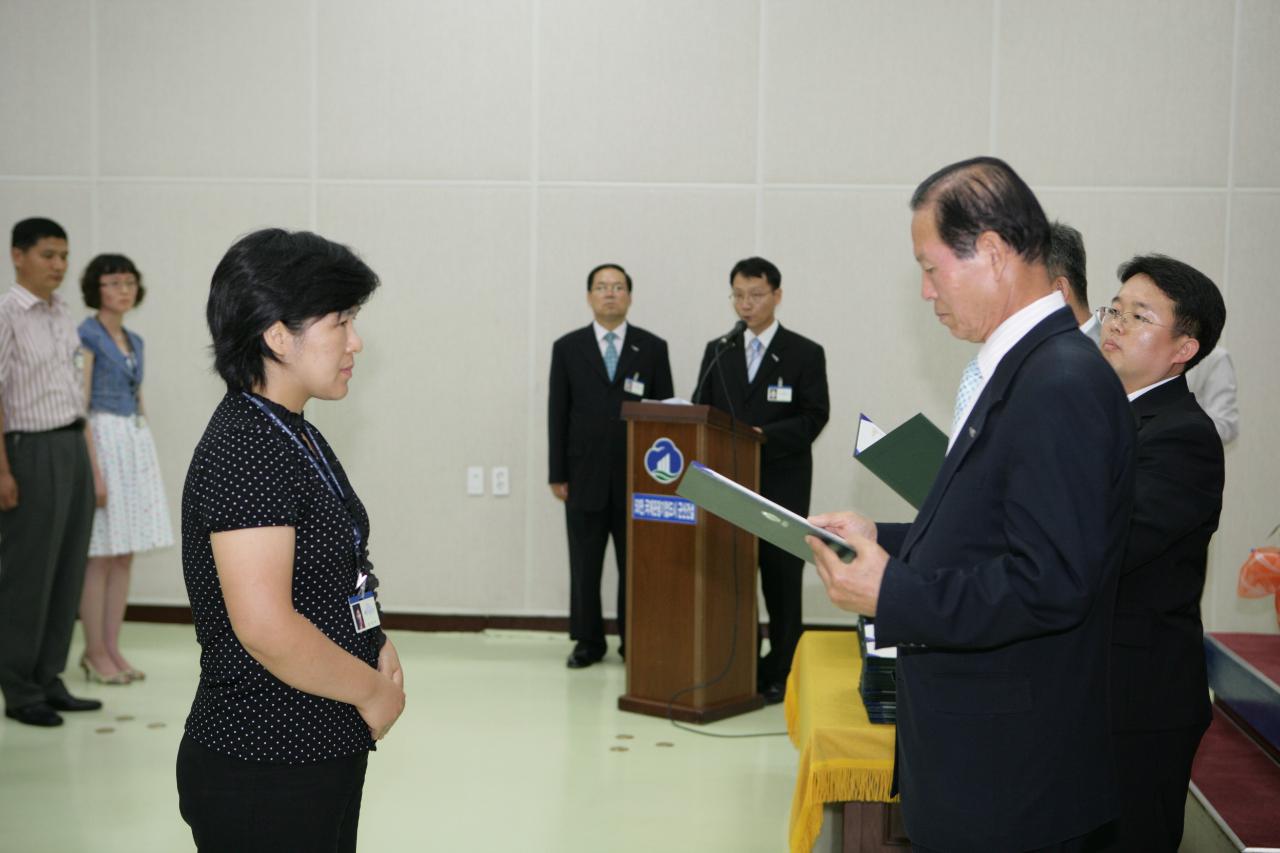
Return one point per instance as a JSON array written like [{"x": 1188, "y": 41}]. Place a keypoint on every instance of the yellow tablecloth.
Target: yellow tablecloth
[{"x": 843, "y": 755}]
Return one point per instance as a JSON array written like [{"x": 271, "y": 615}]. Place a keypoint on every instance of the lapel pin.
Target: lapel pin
[{"x": 973, "y": 433}]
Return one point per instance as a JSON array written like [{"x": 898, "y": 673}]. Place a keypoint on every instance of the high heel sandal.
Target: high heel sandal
[
  {"x": 135, "y": 674},
  {"x": 91, "y": 674}
]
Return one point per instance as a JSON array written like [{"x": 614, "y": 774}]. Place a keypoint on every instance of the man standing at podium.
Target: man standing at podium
[
  {"x": 593, "y": 371},
  {"x": 776, "y": 381},
  {"x": 999, "y": 597}
]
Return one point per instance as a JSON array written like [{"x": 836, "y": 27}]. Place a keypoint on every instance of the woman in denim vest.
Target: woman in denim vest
[{"x": 132, "y": 515}]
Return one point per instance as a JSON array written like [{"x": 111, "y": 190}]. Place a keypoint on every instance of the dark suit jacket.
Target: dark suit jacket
[
  {"x": 1158, "y": 678},
  {"x": 1000, "y": 598},
  {"x": 587, "y": 439},
  {"x": 786, "y": 458}
]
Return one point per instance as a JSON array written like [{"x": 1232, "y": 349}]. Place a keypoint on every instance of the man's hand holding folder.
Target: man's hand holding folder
[{"x": 851, "y": 586}]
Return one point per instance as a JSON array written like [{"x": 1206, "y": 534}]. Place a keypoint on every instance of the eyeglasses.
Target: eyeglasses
[
  {"x": 1124, "y": 318},
  {"x": 754, "y": 298},
  {"x": 616, "y": 287}
]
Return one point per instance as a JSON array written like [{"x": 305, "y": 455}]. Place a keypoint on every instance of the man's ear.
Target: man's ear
[
  {"x": 277, "y": 337},
  {"x": 1186, "y": 351},
  {"x": 994, "y": 252}
]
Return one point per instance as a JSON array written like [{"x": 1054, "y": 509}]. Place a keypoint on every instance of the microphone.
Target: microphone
[
  {"x": 721, "y": 345},
  {"x": 734, "y": 333}
]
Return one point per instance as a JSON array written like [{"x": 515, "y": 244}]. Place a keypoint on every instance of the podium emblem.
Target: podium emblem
[{"x": 664, "y": 461}]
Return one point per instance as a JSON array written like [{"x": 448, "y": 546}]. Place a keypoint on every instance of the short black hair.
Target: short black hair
[
  {"x": 276, "y": 275},
  {"x": 756, "y": 268},
  {"x": 984, "y": 194},
  {"x": 91, "y": 280},
  {"x": 28, "y": 232},
  {"x": 1067, "y": 259},
  {"x": 617, "y": 267},
  {"x": 1198, "y": 309}
]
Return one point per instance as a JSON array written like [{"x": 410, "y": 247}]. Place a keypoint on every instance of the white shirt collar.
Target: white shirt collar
[
  {"x": 766, "y": 337},
  {"x": 601, "y": 331},
  {"x": 1013, "y": 329},
  {"x": 1136, "y": 394},
  {"x": 1088, "y": 325}
]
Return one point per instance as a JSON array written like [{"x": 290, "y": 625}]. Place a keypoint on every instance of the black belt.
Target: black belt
[{"x": 75, "y": 426}]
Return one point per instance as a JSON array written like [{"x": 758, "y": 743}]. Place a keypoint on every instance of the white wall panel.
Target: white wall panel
[
  {"x": 441, "y": 384},
  {"x": 1116, "y": 92},
  {"x": 46, "y": 96},
  {"x": 872, "y": 93},
  {"x": 191, "y": 89},
  {"x": 425, "y": 90},
  {"x": 658, "y": 91}
]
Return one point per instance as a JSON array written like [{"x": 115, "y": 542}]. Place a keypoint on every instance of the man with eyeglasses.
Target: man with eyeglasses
[
  {"x": 776, "y": 381},
  {"x": 1166, "y": 318},
  {"x": 593, "y": 371},
  {"x": 46, "y": 480}
]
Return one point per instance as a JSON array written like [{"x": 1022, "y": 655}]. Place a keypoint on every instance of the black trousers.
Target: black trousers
[
  {"x": 1154, "y": 770},
  {"x": 589, "y": 533},
  {"x": 781, "y": 575},
  {"x": 237, "y": 806},
  {"x": 44, "y": 544}
]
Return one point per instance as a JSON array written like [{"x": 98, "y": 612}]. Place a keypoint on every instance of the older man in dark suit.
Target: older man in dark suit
[
  {"x": 1166, "y": 318},
  {"x": 1000, "y": 595},
  {"x": 776, "y": 380},
  {"x": 593, "y": 371}
]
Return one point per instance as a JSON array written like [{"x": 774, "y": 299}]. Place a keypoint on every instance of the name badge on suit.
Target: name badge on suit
[{"x": 779, "y": 393}]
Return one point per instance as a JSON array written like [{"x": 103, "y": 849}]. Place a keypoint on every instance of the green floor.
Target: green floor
[{"x": 501, "y": 748}]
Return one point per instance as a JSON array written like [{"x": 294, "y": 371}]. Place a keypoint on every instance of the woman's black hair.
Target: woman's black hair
[
  {"x": 275, "y": 275},
  {"x": 91, "y": 280}
]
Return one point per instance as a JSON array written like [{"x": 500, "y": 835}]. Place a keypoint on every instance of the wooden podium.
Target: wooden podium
[{"x": 690, "y": 606}]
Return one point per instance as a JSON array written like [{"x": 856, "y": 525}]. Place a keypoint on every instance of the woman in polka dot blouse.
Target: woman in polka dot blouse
[{"x": 297, "y": 681}]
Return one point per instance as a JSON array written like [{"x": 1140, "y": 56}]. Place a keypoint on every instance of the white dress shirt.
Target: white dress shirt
[
  {"x": 601, "y": 331},
  {"x": 766, "y": 338},
  {"x": 1003, "y": 339},
  {"x": 1213, "y": 381}
]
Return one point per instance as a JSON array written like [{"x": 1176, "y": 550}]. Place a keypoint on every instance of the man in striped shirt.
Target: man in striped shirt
[{"x": 46, "y": 480}]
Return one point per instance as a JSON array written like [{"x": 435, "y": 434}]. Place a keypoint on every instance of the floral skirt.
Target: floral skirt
[{"x": 136, "y": 517}]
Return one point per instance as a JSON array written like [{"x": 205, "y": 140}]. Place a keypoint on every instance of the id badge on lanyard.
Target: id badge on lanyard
[{"x": 363, "y": 605}]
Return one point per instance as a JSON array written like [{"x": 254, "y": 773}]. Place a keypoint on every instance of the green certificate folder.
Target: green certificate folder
[{"x": 907, "y": 459}]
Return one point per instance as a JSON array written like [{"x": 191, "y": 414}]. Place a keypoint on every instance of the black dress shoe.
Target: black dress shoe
[
  {"x": 71, "y": 703},
  {"x": 582, "y": 657},
  {"x": 35, "y": 714},
  {"x": 774, "y": 693}
]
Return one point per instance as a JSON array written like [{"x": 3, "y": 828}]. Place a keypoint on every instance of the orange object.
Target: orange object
[{"x": 1260, "y": 575}]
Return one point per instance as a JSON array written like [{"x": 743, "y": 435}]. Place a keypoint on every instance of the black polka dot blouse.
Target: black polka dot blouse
[{"x": 247, "y": 472}]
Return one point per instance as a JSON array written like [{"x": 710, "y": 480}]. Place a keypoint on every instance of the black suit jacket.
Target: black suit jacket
[
  {"x": 1158, "y": 678},
  {"x": 786, "y": 459},
  {"x": 587, "y": 439},
  {"x": 1000, "y": 597}
]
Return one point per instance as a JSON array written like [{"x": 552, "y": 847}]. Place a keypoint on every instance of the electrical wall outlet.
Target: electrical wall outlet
[
  {"x": 500, "y": 480},
  {"x": 475, "y": 480}
]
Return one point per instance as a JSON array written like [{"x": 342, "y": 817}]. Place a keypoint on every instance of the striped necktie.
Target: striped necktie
[{"x": 610, "y": 355}]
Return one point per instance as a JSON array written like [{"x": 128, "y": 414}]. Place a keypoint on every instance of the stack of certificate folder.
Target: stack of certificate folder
[{"x": 877, "y": 686}]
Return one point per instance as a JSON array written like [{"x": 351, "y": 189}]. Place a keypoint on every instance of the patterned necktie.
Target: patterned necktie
[
  {"x": 610, "y": 355},
  {"x": 970, "y": 381},
  {"x": 753, "y": 359}
]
